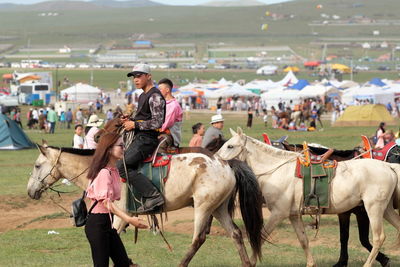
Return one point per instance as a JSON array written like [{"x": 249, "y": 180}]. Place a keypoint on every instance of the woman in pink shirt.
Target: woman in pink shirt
[
  {"x": 198, "y": 133},
  {"x": 105, "y": 187},
  {"x": 380, "y": 134}
]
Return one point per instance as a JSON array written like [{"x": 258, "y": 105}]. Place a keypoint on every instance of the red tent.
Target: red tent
[{"x": 312, "y": 63}]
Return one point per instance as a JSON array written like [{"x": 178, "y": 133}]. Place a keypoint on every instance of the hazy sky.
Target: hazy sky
[{"x": 170, "y": 2}]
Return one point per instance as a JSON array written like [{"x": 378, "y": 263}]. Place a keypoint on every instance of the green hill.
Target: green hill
[{"x": 81, "y": 24}]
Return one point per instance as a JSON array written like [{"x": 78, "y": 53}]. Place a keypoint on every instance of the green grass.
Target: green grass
[{"x": 70, "y": 247}]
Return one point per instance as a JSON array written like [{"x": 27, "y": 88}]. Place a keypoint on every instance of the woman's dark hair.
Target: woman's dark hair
[
  {"x": 102, "y": 155},
  {"x": 78, "y": 125},
  {"x": 196, "y": 127},
  {"x": 381, "y": 125}
]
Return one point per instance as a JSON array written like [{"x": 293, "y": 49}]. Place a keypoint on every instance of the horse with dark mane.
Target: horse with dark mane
[{"x": 344, "y": 218}]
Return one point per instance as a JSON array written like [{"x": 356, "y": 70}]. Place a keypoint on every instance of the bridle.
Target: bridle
[{"x": 46, "y": 186}]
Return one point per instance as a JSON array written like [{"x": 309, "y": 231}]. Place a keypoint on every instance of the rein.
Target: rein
[{"x": 244, "y": 149}]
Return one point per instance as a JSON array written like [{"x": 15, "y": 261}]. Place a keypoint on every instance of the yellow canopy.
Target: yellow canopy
[
  {"x": 365, "y": 115},
  {"x": 291, "y": 68},
  {"x": 341, "y": 67}
]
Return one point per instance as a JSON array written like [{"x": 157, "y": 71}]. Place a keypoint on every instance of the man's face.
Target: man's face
[
  {"x": 219, "y": 125},
  {"x": 141, "y": 80},
  {"x": 164, "y": 89}
]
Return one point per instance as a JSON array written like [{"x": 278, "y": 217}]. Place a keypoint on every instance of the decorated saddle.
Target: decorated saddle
[
  {"x": 316, "y": 176},
  {"x": 156, "y": 169},
  {"x": 374, "y": 153}
]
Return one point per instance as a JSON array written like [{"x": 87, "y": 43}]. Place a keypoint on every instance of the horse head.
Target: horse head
[
  {"x": 45, "y": 172},
  {"x": 234, "y": 147},
  {"x": 114, "y": 125}
]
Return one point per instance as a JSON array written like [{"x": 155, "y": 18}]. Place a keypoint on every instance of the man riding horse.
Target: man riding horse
[{"x": 146, "y": 124}]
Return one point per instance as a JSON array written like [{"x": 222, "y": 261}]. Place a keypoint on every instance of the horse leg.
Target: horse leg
[
  {"x": 222, "y": 215},
  {"x": 375, "y": 213},
  {"x": 344, "y": 225},
  {"x": 209, "y": 223},
  {"x": 298, "y": 226},
  {"x": 201, "y": 217},
  {"x": 363, "y": 233}
]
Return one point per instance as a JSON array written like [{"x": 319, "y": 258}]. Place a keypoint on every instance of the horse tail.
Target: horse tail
[{"x": 251, "y": 199}]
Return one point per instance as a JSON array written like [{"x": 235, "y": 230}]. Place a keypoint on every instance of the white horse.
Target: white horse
[
  {"x": 370, "y": 182},
  {"x": 206, "y": 183}
]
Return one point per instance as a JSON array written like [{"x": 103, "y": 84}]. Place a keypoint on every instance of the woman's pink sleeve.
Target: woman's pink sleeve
[{"x": 101, "y": 188}]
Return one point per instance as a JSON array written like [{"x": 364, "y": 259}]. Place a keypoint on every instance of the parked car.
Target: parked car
[
  {"x": 384, "y": 68},
  {"x": 397, "y": 67},
  {"x": 267, "y": 70},
  {"x": 70, "y": 66},
  {"x": 361, "y": 68}
]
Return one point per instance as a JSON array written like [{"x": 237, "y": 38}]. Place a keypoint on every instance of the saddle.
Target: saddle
[
  {"x": 373, "y": 153},
  {"x": 316, "y": 176},
  {"x": 156, "y": 169}
]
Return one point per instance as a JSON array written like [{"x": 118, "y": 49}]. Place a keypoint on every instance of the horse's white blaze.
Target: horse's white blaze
[{"x": 366, "y": 181}]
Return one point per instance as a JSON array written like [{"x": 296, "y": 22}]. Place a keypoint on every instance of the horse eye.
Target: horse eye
[
  {"x": 37, "y": 166},
  {"x": 230, "y": 146}
]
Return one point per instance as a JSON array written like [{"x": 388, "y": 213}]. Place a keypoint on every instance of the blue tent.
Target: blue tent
[
  {"x": 300, "y": 85},
  {"x": 377, "y": 82},
  {"x": 12, "y": 137}
]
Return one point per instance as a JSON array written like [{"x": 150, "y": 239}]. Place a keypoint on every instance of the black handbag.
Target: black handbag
[{"x": 79, "y": 210}]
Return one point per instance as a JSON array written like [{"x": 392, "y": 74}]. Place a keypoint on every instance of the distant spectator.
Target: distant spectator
[
  {"x": 198, "y": 133},
  {"x": 79, "y": 117},
  {"x": 52, "y": 119},
  {"x": 109, "y": 115},
  {"x": 214, "y": 131},
  {"x": 265, "y": 118},
  {"x": 90, "y": 130},
  {"x": 379, "y": 136},
  {"x": 68, "y": 118},
  {"x": 62, "y": 120},
  {"x": 78, "y": 138},
  {"x": 249, "y": 117}
]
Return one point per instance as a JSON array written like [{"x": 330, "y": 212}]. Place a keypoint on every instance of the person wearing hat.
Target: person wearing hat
[
  {"x": 214, "y": 131},
  {"x": 146, "y": 124},
  {"x": 92, "y": 127}
]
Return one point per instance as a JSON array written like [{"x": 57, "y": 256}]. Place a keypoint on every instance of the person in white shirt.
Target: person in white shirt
[{"x": 78, "y": 139}]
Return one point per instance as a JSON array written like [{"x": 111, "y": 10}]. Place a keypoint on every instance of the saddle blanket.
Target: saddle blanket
[
  {"x": 316, "y": 179},
  {"x": 157, "y": 173}
]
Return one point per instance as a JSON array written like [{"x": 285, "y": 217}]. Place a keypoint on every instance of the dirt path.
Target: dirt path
[{"x": 20, "y": 212}]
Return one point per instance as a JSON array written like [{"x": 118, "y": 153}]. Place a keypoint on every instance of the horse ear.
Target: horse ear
[
  {"x": 232, "y": 132},
  {"x": 44, "y": 143},
  {"x": 42, "y": 149},
  {"x": 239, "y": 131}
]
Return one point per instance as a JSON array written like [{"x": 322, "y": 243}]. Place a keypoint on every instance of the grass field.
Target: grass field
[{"x": 34, "y": 247}]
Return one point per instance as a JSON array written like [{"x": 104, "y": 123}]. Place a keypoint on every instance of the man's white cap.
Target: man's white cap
[
  {"x": 139, "y": 68},
  {"x": 216, "y": 118}
]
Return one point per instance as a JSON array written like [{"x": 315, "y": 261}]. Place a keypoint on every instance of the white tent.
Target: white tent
[
  {"x": 318, "y": 90},
  {"x": 82, "y": 93},
  {"x": 235, "y": 89},
  {"x": 273, "y": 97},
  {"x": 289, "y": 80},
  {"x": 373, "y": 93}
]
